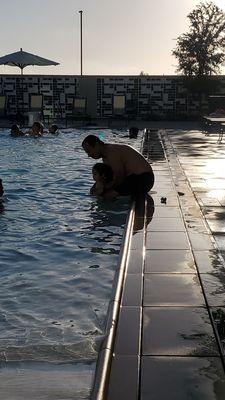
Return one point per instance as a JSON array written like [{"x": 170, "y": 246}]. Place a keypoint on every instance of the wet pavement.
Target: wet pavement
[{"x": 170, "y": 337}]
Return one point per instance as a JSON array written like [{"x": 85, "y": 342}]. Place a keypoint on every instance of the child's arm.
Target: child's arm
[{"x": 97, "y": 189}]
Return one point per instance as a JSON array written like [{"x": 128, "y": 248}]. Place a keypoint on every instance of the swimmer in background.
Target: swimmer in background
[
  {"x": 15, "y": 131},
  {"x": 53, "y": 129},
  {"x": 103, "y": 177},
  {"x": 133, "y": 133},
  {"x": 37, "y": 129}
]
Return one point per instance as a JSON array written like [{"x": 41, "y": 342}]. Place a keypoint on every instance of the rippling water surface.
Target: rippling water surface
[{"x": 58, "y": 253}]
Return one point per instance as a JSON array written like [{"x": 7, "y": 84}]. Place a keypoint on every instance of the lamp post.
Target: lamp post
[{"x": 81, "y": 44}]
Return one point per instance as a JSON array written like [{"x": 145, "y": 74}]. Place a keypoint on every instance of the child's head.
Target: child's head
[
  {"x": 15, "y": 130},
  {"x": 37, "y": 127},
  {"x": 102, "y": 172},
  {"x": 53, "y": 128}
]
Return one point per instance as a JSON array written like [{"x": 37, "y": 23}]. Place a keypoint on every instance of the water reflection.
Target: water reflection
[
  {"x": 144, "y": 210},
  {"x": 2, "y": 208}
]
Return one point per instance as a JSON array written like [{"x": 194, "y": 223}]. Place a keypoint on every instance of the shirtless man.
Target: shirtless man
[{"x": 133, "y": 174}]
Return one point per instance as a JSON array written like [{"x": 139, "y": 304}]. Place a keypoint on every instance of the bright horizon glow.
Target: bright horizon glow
[{"x": 119, "y": 38}]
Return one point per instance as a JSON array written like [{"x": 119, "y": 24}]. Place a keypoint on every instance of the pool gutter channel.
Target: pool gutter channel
[{"x": 105, "y": 355}]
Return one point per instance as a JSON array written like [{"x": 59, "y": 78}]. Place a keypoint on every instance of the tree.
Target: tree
[
  {"x": 201, "y": 51},
  {"x": 142, "y": 73}
]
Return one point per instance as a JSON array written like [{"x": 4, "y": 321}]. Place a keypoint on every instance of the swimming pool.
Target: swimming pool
[{"x": 59, "y": 249}]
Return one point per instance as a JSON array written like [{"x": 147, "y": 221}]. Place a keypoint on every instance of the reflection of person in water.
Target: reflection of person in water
[
  {"x": 1, "y": 189},
  {"x": 144, "y": 213},
  {"x": 1, "y": 197}
]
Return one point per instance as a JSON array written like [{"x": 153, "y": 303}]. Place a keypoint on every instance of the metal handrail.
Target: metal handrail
[{"x": 99, "y": 391}]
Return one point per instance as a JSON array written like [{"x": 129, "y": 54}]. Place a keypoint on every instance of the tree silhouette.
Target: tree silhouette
[{"x": 201, "y": 51}]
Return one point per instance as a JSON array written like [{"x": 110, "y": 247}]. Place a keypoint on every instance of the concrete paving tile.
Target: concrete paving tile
[
  {"x": 216, "y": 183},
  {"x": 135, "y": 261},
  {"x": 200, "y": 241},
  {"x": 216, "y": 226},
  {"x": 169, "y": 261},
  {"x": 217, "y": 213},
  {"x": 190, "y": 211},
  {"x": 160, "y": 192},
  {"x": 127, "y": 340},
  {"x": 214, "y": 288},
  {"x": 172, "y": 290},
  {"x": 124, "y": 378},
  {"x": 162, "y": 185},
  {"x": 171, "y": 199},
  {"x": 182, "y": 378},
  {"x": 167, "y": 240},
  {"x": 162, "y": 176},
  {"x": 166, "y": 225},
  {"x": 205, "y": 201},
  {"x": 209, "y": 261},
  {"x": 220, "y": 241},
  {"x": 173, "y": 331},
  {"x": 167, "y": 212},
  {"x": 132, "y": 292},
  {"x": 137, "y": 240},
  {"x": 196, "y": 225}
]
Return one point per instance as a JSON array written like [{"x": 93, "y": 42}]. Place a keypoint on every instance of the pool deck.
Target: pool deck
[{"x": 169, "y": 340}]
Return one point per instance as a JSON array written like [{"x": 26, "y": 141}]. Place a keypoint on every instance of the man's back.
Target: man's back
[{"x": 125, "y": 160}]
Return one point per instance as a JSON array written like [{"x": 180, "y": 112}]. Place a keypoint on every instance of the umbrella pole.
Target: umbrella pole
[{"x": 22, "y": 111}]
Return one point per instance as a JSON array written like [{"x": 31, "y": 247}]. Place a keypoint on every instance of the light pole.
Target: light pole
[{"x": 81, "y": 43}]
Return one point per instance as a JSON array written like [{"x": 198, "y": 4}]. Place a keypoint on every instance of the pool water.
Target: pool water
[{"x": 59, "y": 249}]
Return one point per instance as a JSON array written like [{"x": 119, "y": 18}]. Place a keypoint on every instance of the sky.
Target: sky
[{"x": 120, "y": 37}]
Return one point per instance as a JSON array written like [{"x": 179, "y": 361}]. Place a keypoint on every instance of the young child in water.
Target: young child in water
[
  {"x": 37, "y": 129},
  {"x": 103, "y": 177},
  {"x": 53, "y": 129},
  {"x": 15, "y": 131}
]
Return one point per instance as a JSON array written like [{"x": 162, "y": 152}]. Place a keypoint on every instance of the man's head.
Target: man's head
[{"x": 92, "y": 145}]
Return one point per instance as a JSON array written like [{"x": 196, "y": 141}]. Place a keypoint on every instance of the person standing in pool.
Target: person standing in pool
[{"x": 133, "y": 175}]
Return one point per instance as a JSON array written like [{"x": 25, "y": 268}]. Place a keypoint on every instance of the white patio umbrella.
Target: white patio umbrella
[{"x": 22, "y": 59}]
